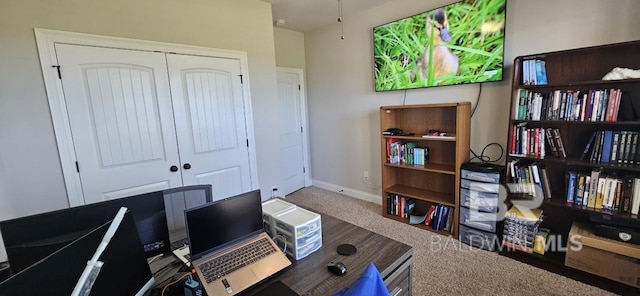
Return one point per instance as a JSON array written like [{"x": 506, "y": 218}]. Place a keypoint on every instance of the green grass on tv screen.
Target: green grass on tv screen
[{"x": 456, "y": 44}]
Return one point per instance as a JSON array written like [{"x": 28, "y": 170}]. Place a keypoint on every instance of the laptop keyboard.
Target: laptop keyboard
[{"x": 232, "y": 261}]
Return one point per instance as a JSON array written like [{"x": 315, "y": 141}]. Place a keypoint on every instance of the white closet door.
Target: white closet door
[
  {"x": 291, "y": 147},
  {"x": 119, "y": 108},
  {"x": 210, "y": 123}
]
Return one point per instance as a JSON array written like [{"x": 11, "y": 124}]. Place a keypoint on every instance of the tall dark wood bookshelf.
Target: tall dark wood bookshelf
[{"x": 577, "y": 70}]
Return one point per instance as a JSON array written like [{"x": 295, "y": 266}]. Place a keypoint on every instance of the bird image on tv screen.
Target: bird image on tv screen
[{"x": 456, "y": 44}]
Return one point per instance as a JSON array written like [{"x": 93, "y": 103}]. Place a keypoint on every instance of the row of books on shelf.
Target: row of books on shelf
[
  {"x": 600, "y": 190},
  {"x": 568, "y": 105},
  {"x": 595, "y": 190},
  {"x": 534, "y": 72},
  {"x": 526, "y": 178},
  {"x": 400, "y": 206},
  {"x": 531, "y": 142},
  {"x": 615, "y": 147},
  {"x": 406, "y": 152},
  {"x": 439, "y": 217}
]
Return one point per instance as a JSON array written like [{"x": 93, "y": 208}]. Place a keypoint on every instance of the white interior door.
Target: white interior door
[
  {"x": 210, "y": 120},
  {"x": 291, "y": 132},
  {"x": 121, "y": 118}
]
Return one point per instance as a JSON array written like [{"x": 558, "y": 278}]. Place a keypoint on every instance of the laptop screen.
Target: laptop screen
[{"x": 218, "y": 224}]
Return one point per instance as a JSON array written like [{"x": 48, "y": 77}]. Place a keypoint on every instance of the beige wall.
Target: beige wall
[
  {"x": 29, "y": 164},
  {"x": 289, "y": 48},
  {"x": 343, "y": 107}
]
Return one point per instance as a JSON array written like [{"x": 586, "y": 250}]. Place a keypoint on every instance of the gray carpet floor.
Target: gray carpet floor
[{"x": 450, "y": 267}]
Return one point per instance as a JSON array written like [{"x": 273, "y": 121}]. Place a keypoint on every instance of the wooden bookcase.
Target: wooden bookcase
[
  {"x": 577, "y": 70},
  {"x": 437, "y": 181}
]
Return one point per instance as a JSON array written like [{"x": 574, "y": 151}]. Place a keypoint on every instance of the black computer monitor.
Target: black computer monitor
[
  {"x": 29, "y": 239},
  {"x": 156, "y": 215},
  {"x": 125, "y": 270}
]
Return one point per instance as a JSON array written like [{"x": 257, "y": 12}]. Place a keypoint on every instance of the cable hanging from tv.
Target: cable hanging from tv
[{"x": 340, "y": 19}]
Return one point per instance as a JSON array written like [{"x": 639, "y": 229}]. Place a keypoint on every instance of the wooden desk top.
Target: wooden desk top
[{"x": 309, "y": 276}]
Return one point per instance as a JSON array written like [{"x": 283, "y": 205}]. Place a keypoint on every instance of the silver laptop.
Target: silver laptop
[{"x": 229, "y": 248}]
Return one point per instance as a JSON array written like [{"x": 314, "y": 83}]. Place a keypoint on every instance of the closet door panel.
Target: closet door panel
[
  {"x": 121, "y": 118},
  {"x": 209, "y": 112},
  {"x": 210, "y": 104}
]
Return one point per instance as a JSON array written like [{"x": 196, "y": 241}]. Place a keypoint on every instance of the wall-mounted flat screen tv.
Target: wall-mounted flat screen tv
[{"x": 459, "y": 43}]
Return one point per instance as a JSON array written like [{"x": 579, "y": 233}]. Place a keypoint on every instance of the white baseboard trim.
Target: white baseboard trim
[{"x": 348, "y": 191}]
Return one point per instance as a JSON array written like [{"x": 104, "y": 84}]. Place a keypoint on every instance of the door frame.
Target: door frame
[
  {"x": 46, "y": 40},
  {"x": 304, "y": 121}
]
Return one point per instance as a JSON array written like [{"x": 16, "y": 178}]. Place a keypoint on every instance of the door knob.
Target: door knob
[
  {"x": 186, "y": 166},
  {"x": 173, "y": 168}
]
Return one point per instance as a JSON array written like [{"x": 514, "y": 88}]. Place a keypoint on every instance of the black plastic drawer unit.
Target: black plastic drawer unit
[{"x": 479, "y": 203}]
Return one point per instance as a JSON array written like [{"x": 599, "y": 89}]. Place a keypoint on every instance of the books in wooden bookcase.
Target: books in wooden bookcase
[
  {"x": 534, "y": 72},
  {"x": 425, "y": 170},
  {"x": 533, "y": 142},
  {"x": 635, "y": 197},
  {"x": 546, "y": 183},
  {"x": 606, "y": 192},
  {"x": 613, "y": 146},
  {"x": 524, "y": 178},
  {"x": 591, "y": 129},
  {"x": 520, "y": 227},
  {"x": 595, "y": 105},
  {"x": 588, "y": 146},
  {"x": 438, "y": 217},
  {"x": 590, "y": 199},
  {"x": 557, "y": 138},
  {"x": 400, "y": 206}
]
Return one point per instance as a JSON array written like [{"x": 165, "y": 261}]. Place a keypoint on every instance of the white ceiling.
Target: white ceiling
[{"x": 308, "y": 15}]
